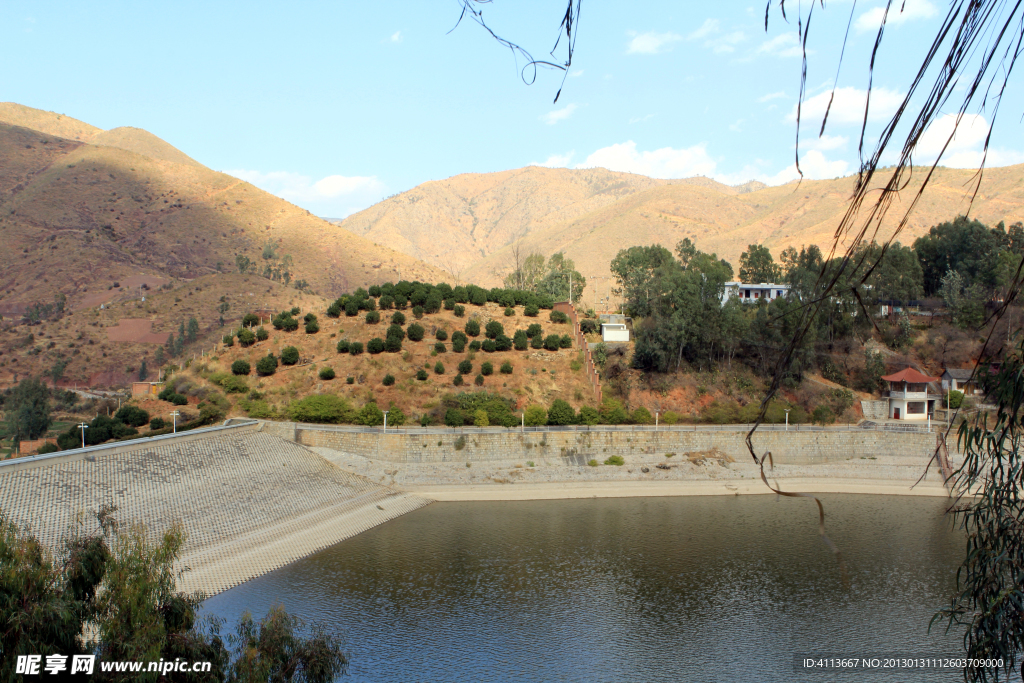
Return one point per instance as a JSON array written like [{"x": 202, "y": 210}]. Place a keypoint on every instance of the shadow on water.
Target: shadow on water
[{"x": 636, "y": 589}]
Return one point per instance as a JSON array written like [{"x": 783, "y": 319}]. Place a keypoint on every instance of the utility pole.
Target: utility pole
[
  {"x": 787, "y": 419},
  {"x": 83, "y": 427},
  {"x": 174, "y": 421},
  {"x": 386, "y": 421}
]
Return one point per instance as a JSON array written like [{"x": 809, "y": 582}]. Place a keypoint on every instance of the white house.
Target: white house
[
  {"x": 614, "y": 332},
  {"x": 908, "y": 395},
  {"x": 751, "y": 294},
  {"x": 960, "y": 379}
]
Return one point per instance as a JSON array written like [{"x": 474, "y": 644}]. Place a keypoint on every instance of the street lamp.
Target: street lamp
[
  {"x": 174, "y": 421},
  {"x": 656, "y": 420},
  {"x": 787, "y": 419},
  {"x": 386, "y": 421},
  {"x": 83, "y": 427}
]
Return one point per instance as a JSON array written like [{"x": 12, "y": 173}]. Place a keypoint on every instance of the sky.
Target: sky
[{"x": 335, "y": 106}]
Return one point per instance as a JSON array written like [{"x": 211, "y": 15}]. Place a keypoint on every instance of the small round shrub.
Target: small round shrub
[
  {"x": 350, "y": 380},
  {"x": 352, "y": 309},
  {"x": 240, "y": 367},
  {"x": 266, "y": 365},
  {"x": 552, "y": 342},
  {"x": 398, "y": 318},
  {"x": 440, "y": 335},
  {"x": 334, "y": 310},
  {"x": 520, "y": 341},
  {"x": 438, "y": 368},
  {"x": 488, "y": 345},
  {"x": 326, "y": 373},
  {"x": 295, "y": 310},
  {"x": 487, "y": 368},
  {"x": 343, "y": 346},
  {"x": 246, "y": 337},
  {"x": 537, "y": 342},
  {"x": 421, "y": 375},
  {"x": 558, "y": 317},
  {"x": 386, "y": 302},
  {"x": 417, "y": 312},
  {"x": 506, "y": 368},
  {"x": 289, "y": 324},
  {"x": 415, "y": 332},
  {"x": 157, "y": 423},
  {"x": 474, "y": 345},
  {"x": 465, "y": 367},
  {"x": 289, "y": 355},
  {"x": 473, "y": 327},
  {"x": 588, "y": 326},
  {"x": 179, "y": 400},
  {"x": 615, "y": 460},
  {"x": 493, "y": 329},
  {"x": 373, "y": 317},
  {"x": 374, "y": 291},
  {"x": 531, "y": 310},
  {"x": 388, "y": 380},
  {"x": 449, "y": 304},
  {"x": 395, "y": 331},
  {"x": 262, "y": 334},
  {"x": 229, "y": 340},
  {"x": 250, "y": 319},
  {"x": 439, "y": 347},
  {"x": 459, "y": 311},
  {"x": 458, "y": 381},
  {"x": 534, "y": 330},
  {"x": 375, "y": 345},
  {"x": 565, "y": 342},
  {"x": 509, "y": 312},
  {"x": 355, "y": 348},
  {"x": 312, "y": 327},
  {"x": 392, "y": 344},
  {"x": 133, "y": 416},
  {"x": 502, "y": 343},
  {"x": 479, "y": 381}
]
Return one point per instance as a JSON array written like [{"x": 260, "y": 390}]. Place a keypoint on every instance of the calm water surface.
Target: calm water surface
[{"x": 638, "y": 589}]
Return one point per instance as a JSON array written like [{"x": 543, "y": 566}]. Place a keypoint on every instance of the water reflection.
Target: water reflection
[{"x": 659, "y": 589}]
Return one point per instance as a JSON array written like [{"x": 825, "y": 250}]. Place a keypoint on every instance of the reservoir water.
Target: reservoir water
[{"x": 635, "y": 589}]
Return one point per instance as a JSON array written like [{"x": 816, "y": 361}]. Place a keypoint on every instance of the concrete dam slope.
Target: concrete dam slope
[{"x": 250, "y": 502}]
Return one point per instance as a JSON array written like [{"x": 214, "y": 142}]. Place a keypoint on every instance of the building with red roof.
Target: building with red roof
[{"x": 909, "y": 398}]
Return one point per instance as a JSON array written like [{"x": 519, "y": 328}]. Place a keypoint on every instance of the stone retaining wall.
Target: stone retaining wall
[
  {"x": 875, "y": 410},
  {"x": 793, "y": 447}
]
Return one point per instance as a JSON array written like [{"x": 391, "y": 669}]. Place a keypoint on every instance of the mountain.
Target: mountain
[
  {"x": 82, "y": 208},
  {"x": 468, "y": 223}
]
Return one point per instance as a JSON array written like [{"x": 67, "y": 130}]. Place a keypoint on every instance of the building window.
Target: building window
[{"x": 915, "y": 408}]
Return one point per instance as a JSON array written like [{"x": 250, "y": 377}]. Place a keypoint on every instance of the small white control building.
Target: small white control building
[
  {"x": 751, "y": 294},
  {"x": 614, "y": 332},
  {"x": 908, "y": 395}
]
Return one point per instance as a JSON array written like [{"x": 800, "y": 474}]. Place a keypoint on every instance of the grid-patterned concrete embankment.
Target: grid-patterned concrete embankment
[{"x": 250, "y": 503}]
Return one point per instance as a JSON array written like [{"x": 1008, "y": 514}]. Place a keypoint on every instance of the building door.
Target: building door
[{"x": 895, "y": 413}]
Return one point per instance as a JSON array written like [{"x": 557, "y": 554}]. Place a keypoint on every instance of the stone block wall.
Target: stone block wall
[{"x": 875, "y": 410}]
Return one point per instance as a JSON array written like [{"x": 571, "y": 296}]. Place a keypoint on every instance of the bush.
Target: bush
[
  {"x": 398, "y": 318},
  {"x": 459, "y": 311},
  {"x": 536, "y": 416},
  {"x": 229, "y": 340},
  {"x": 295, "y": 310},
  {"x": 415, "y": 332},
  {"x": 458, "y": 380},
  {"x": 458, "y": 345},
  {"x": 589, "y": 415},
  {"x": 488, "y": 345},
  {"x": 421, "y": 375},
  {"x": 479, "y": 381},
  {"x": 956, "y": 399},
  {"x": 178, "y": 400},
  {"x": 531, "y": 310},
  {"x": 250, "y": 319},
  {"x": 352, "y": 309},
  {"x": 240, "y": 367},
  {"x": 350, "y": 380},
  {"x": 473, "y": 327},
  {"x": 246, "y": 337},
  {"x": 234, "y": 385},
  {"x": 534, "y": 330},
  {"x": 509, "y": 312},
  {"x": 642, "y": 416},
  {"x": 449, "y": 304},
  {"x": 823, "y": 415},
  {"x": 157, "y": 423},
  {"x": 474, "y": 345},
  {"x": 355, "y": 348},
  {"x": 374, "y": 291},
  {"x": 133, "y": 416},
  {"x": 502, "y": 343},
  {"x": 552, "y": 342},
  {"x": 561, "y": 413},
  {"x": 465, "y": 367},
  {"x": 417, "y": 312},
  {"x": 375, "y": 345},
  {"x": 373, "y": 317},
  {"x": 289, "y": 324},
  {"x": 343, "y": 346},
  {"x": 520, "y": 340},
  {"x": 506, "y": 368},
  {"x": 487, "y": 369},
  {"x": 671, "y": 417},
  {"x": 558, "y": 317},
  {"x": 262, "y": 334},
  {"x": 392, "y": 344},
  {"x": 438, "y": 368},
  {"x": 266, "y": 365},
  {"x": 592, "y": 462},
  {"x": 565, "y": 342},
  {"x": 493, "y": 329},
  {"x": 480, "y": 418},
  {"x": 312, "y": 327},
  {"x": 289, "y": 355},
  {"x": 454, "y": 417},
  {"x": 441, "y": 335},
  {"x": 615, "y": 460},
  {"x": 334, "y": 310},
  {"x": 326, "y": 373},
  {"x": 395, "y": 331},
  {"x": 588, "y": 326},
  {"x": 370, "y": 415},
  {"x": 320, "y": 409},
  {"x": 612, "y": 413},
  {"x": 388, "y": 380}
]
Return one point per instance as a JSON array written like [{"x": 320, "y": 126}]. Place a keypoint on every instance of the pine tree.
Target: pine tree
[
  {"x": 193, "y": 330},
  {"x": 143, "y": 371}
]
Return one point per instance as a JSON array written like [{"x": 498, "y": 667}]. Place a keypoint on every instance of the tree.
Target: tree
[
  {"x": 266, "y": 365},
  {"x": 561, "y": 272},
  {"x": 375, "y": 345},
  {"x": 757, "y": 265},
  {"x": 415, "y": 332},
  {"x": 56, "y": 371},
  {"x": 965, "y": 303},
  {"x": 289, "y": 355},
  {"x": 634, "y": 270},
  {"x": 535, "y": 416},
  {"x": 472, "y": 327},
  {"x": 133, "y": 416},
  {"x": 246, "y": 337},
  {"x": 963, "y": 245},
  {"x": 27, "y": 410},
  {"x": 240, "y": 367},
  {"x": 561, "y": 413}
]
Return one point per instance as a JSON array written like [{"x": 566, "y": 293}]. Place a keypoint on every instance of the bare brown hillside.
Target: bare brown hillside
[
  {"x": 81, "y": 212},
  {"x": 469, "y": 221}
]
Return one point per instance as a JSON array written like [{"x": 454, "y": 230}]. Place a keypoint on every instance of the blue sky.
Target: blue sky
[{"x": 336, "y": 105}]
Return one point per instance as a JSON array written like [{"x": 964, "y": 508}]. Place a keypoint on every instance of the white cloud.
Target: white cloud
[
  {"x": 726, "y": 43},
  {"x": 660, "y": 163},
  {"x": 824, "y": 143},
  {"x": 651, "y": 42},
  {"x": 553, "y": 117},
  {"x": 908, "y": 10},
  {"x": 575, "y": 74},
  {"x": 736, "y": 127},
  {"x": 782, "y": 45},
  {"x": 556, "y": 160},
  {"x": 966, "y": 149},
  {"x": 771, "y": 96},
  {"x": 707, "y": 28},
  {"x": 641, "y": 119},
  {"x": 396, "y": 37},
  {"x": 848, "y": 106},
  {"x": 334, "y": 196}
]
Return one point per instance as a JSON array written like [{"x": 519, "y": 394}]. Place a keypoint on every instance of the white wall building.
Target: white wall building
[
  {"x": 751, "y": 294},
  {"x": 908, "y": 395},
  {"x": 614, "y": 332}
]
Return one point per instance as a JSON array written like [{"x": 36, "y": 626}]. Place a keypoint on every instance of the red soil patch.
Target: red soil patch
[
  {"x": 138, "y": 330},
  {"x": 109, "y": 378}
]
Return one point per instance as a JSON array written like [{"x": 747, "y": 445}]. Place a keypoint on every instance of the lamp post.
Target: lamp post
[
  {"x": 83, "y": 427},
  {"x": 522, "y": 425},
  {"x": 787, "y": 419},
  {"x": 656, "y": 420},
  {"x": 174, "y": 421},
  {"x": 386, "y": 421}
]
